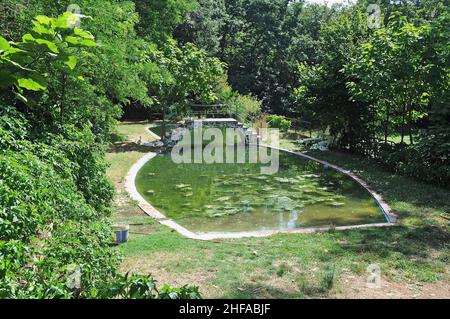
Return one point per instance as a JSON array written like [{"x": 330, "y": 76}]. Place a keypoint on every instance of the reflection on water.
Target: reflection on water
[{"x": 236, "y": 197}]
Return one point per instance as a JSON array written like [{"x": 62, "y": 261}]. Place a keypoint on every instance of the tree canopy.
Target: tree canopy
[{"x": 67, "y": 72}]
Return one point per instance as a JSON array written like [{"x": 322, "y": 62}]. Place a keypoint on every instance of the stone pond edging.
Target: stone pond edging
[
  {"x": 130, "y": 187},
  {"x": 155, "y": 136},
  {"x": 387, "y": 211}
]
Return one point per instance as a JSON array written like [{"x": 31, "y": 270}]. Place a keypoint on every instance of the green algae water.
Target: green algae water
[{"x": 236, "y": 197}]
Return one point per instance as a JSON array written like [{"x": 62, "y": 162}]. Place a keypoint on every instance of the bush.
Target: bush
[
  {"x": 144, "y": 287},
  {"x": 429, "y": 158},
  {"x": 55, "y": 231},
  {"x": 46, "y": 223},
  {"x": 48, "y": 228},
  {"x": 247, "y": 107},
  {"x": 279, "y": 122},
  {"x": 426, "y": 160}
]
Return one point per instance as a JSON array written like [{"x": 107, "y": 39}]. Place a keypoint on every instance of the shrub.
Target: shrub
[
  {"x": 429, "y": 158},
  {"x": 278, "y": 121},
  {"x": 48, "y": 227},
  {"x": 144, "y": 287},
  {"x": 426, "y": 160},
  {"x": 247, "y": 107},
  {"x": 55, "y": 233}
]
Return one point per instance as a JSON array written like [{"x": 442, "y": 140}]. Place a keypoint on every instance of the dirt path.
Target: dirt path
[{"x": 355, "y": 287}]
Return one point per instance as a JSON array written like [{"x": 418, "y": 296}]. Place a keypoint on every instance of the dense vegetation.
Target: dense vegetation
[
  {"x": 65, "y": 80},
  {"x": 359, "y": 78},
  {"x": 62, "y": 90}
]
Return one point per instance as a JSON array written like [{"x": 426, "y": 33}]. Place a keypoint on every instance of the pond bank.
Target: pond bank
[{"x": 413, "y": 256}]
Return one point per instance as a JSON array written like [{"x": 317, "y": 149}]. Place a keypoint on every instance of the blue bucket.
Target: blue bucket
[{"x": 121, "y": 234}]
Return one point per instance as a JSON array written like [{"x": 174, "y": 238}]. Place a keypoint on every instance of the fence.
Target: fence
[{"x": 209, "y": 111}]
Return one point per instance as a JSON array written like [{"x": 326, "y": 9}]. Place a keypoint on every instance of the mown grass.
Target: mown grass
[
  {"x": 121, "y": 156},
  {"x": 303, "y": 265}
]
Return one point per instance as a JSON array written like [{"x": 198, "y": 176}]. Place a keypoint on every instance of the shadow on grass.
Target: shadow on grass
[
  {"x": 385, "y": 242},
  {"x": 137, "y": 122},
  {"x": 258, "y": 291},
  {"x": 125, "y": 147},
  {"x": 394, "y": 188}
]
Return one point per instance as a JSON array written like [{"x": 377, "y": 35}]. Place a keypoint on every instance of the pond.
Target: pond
[
  {"x": 209, "y": 198},
  {"x": 158, "y": 129}
]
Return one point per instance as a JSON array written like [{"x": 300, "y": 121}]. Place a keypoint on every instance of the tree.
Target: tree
[
  {"x": 203, "y": 25},
  {"x": 178, "y": 76},
  {"x": 62, "y": 90},
  {"x": 390, "y": 71},
  {"x": 159, "y": 18},
  {"x": 322, "y": 94}
]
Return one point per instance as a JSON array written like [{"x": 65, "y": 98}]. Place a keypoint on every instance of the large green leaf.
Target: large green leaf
[
  {"x": 29, "y": 38},
  {"x": 71, "y": 62},
  {"x": 43, "y": 19},
  {"x": 34, "y": 82},
  {"x": 50, "y": 45},
  {"x": 62, "y": 22},
  {"x": 83, "y": 34},
  {"x": 80, "y": 41},
  {"x": 4, "y": 44},
  {"x": 40, "y": 28}
]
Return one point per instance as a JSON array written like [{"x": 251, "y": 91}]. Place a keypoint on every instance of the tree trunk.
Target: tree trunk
[
  {"x": 403, "y": 124},
  {"x": 386, "y": 125},
  {"x": 163, "y": 126},
  {"x": 410, "y": 126}
]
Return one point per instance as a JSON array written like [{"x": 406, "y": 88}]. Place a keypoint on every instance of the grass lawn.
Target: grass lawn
[
  {"x": 397, "y": 138},
  {"x": 414, "y": 257},
  {"x": 121, "y": 156}
]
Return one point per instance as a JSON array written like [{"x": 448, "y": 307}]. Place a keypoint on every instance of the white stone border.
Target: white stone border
[
  {"x": 155, "y": 136},
  {"x": 389, "y": 215},
  {"x": 162, "y": 219}
]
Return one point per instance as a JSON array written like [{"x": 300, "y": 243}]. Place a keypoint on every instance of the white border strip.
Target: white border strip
[
  {"x": 389, "y": 215},
  {"x": 162, "y": 219},
  {"x": 155, "y": 136}
]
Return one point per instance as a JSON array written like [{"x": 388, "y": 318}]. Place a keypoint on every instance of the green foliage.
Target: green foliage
[
  {"x": 324, "y": 65},
  {"x": 322, "y": 97},
  {"x": 247, "y": 107},
  {"x": 397, "y": 73},
  {"x": 55, "y": 231},
  {"x": 255, "y": 45},
  {"x": 160, "y": 17},
  {"x": 427, "y": 160},
  {"x": 144, "y": 287},
  {"x": 203, "y": 25},
  {"x": 185, "y": 292},
  {"x": 109, "y": 76},
  {"x": 278, "y": 121},
  {"x": 50, "y": 41},
  {"x": 177, "y": 76},
  {"x": 399, "y": 46},
  {"x": 46, "y": 223}
]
